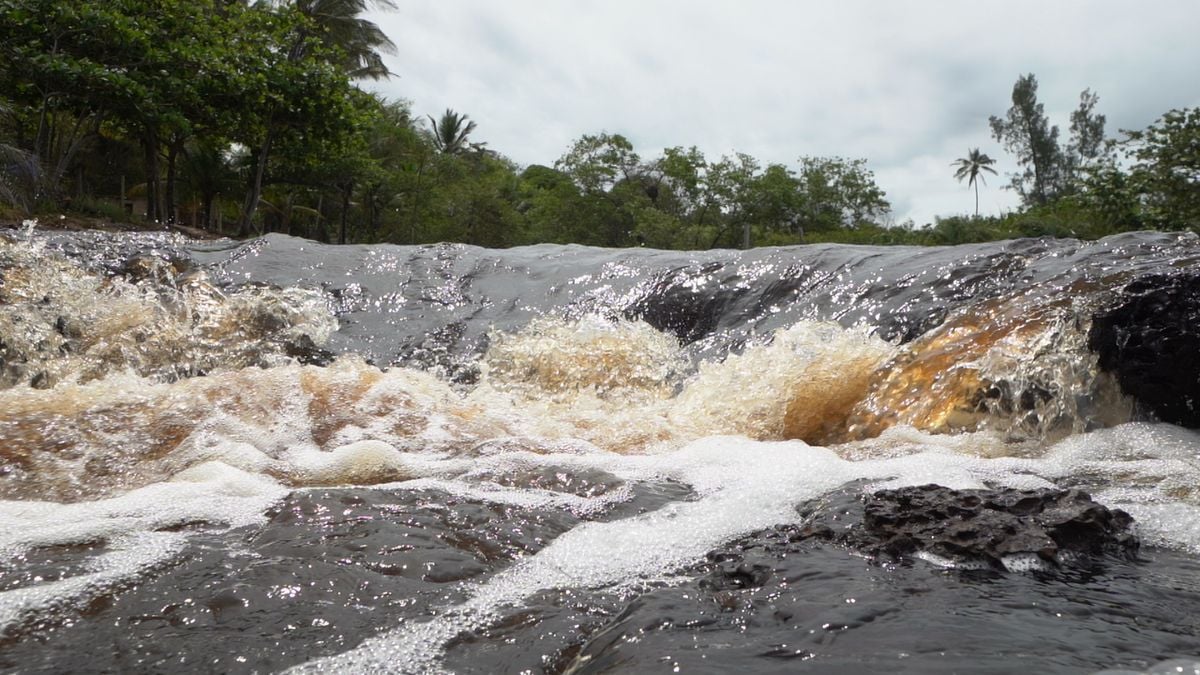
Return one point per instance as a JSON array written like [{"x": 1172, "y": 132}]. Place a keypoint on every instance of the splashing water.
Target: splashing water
[{"x": 480, "y": 446}]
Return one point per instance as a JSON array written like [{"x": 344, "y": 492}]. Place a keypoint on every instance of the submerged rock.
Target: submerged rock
[{"x": 1151, "y": 342}]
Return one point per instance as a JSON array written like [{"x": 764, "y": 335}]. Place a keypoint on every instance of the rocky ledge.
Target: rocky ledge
[
  {"x": 998, "y": 530},
  {"x": 1148, "y": 340},
  {"x": 990, "y": 527}
]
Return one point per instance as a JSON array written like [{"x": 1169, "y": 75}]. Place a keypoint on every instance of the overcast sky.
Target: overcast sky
[{"x": 906, "y": 85}]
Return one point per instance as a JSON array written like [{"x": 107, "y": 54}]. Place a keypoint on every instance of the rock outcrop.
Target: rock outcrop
[
  {"x": 1150, "y": 340},
  {"x": 990, "y": 527},
  {"x": 965, "y": 529}
]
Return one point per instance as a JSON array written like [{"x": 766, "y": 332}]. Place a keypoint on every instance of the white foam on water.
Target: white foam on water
[
  {"x": 232, "y": 441},
  {"x": 949, "y": 563},
  {"x": 1025, "y": 562},
  {"x": 124, "y": 529},
  {"x": 529, "y": 498},
  {"x": 75, "y": 325},
  {"x": 747, "y": 486},
  {"x": 212, "y": 493},
  {"x": 1152, "y": 471},
  {"x": 744, "y": 486},
  {"x": 125, "y": 559}
]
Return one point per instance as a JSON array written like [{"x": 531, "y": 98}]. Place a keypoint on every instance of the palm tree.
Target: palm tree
[
  {"x": 972, "y": 167},
  {"x": 450, "y": 133},
  {"x": 360, "y": 40}
]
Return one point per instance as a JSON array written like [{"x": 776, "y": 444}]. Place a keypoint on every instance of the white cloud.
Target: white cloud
[{"x": 909, "y": 86}]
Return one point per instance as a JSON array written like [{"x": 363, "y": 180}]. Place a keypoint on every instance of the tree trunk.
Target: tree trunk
[
  {"x": 372, "y": 214},
  {"x": 206, "y": 202},
  {"x": 254, "y": 194},
  {"x": 154, "y": 209},
  {"x": 171, "y": 212},
  {"x": 416, "y": 211},
  {"x": 346, "y": 189},
  {"x": 319, "y": 226}
]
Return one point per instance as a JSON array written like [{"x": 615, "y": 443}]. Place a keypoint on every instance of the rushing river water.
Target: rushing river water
[{"x": 281, "y": 455}]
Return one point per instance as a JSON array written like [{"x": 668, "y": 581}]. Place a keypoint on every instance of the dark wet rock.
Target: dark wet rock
[
  {"x": 443, "y": 350},
  {"x": 904, "y": 327},
  {"x": 69, "y": 327},
  {"x": 307, "y": 352},
  {"x": 803, "y": 596},
  {"x": 986, "y": 526},
  {"x": 691, "y": 302},
  {"x": 328, "y": 569},
  {"x": 971, "y": 529},
  {"x": 1151, "y": 342},
  {"x": 583, "y": 482},
  {"x": 41, "y": 380},
  {"x": 735, "y": 573},
  {"x": 823, "y": 608},
  {"x": 153, "y": 265}
]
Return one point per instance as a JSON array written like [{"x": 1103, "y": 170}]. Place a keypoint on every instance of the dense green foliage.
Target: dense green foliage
[{"x": 243, "y": 116}]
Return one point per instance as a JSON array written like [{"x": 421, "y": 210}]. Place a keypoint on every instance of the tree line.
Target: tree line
[
  {"x": 243, "y": 117},
  {"x": 1090, "y": 186}
]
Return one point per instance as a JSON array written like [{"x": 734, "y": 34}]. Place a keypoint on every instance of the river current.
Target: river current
[{"x": 278, "y": 455}]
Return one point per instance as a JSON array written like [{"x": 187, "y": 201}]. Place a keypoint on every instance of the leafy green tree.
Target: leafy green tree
[
  {"x": 476, "y": 196},
  {"x": 598, "y": 162},
  {"x": 728, "y": 186},
  {"x": 838, "y": 192},
  {"x": 1050, "y": 171},
  {"x": 1087, "y": 146},
  {"x": 683, "y": 178},
  {"x": 313, "y": 47},
  {"x": 209, "y": 173},
  {"x": 19, "y": 173},
  {"x": 1166, "y": 169},
  {"x": 156, "y": 71},
  {"x": 554, "y": 208},
  {"x": 775, "y": 202},
  {"x": 392, "y": 142},
  {"x": 607, "y": 172},
  {"x": 1026, "y": 132},
  {"x": 972, "y": 167},
  {"x": 53, "y": 56}
]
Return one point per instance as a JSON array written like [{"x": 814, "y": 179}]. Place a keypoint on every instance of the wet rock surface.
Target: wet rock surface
[
  {"x": 839, "y": 592},
  {"x": 808, "y": 605},
  {"x": 328, "y": 570},
  {"x": 986, "y": 527},
  {"x": 827, "y": 593},
  {"x": 1150, "y": 340}
]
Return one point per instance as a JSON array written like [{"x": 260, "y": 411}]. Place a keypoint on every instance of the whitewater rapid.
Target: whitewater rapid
[{"x": 164, "y": 394}]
